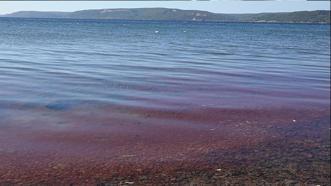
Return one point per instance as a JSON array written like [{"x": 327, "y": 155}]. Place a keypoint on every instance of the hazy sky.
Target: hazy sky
[{"x": 220, "y": 6}]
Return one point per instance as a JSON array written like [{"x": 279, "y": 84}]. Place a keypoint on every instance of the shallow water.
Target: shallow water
[
  {"x": 184, "y": 64},
  {"x": 98, "y": 95}
]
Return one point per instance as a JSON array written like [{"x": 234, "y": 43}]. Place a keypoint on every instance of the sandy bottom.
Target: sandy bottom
[{"x": 105, "y": 145}]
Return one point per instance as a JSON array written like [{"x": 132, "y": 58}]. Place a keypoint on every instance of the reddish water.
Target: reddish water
[
  {"x": 92, "y": 142},
  {"x": 87, "y": 101}
]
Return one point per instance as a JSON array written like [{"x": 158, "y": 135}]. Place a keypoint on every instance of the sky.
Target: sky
[{"x": 217, "y": 6}]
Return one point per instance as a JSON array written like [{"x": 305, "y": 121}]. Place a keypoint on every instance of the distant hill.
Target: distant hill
[{"x": 318, "y": 16}]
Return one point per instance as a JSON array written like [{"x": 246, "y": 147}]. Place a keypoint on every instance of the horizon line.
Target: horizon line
[{"x": 163, "y": 8}]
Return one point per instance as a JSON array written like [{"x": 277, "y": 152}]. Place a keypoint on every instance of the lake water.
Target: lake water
[
  {"x": 94, "y": 95},
  {"x": 164, "y": 65}
]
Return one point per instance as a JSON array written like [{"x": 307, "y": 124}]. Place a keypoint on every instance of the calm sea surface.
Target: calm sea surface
[
  {"x": 168, "y": 65},
  {"x": 89, "y": 100}
]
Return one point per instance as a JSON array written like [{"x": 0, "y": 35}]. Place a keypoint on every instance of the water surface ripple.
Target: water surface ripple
[{"x": 184, "y": 64}]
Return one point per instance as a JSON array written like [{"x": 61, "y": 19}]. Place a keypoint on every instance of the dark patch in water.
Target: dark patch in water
[{"x": 61, "y": 105}]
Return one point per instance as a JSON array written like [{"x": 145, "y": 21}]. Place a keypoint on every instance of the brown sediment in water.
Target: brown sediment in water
[{"x": 132, "y": 145}]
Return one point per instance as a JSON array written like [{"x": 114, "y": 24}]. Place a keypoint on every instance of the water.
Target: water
[
  {"x": 86, "y": 99},
  {"x": 164, "y": 64}
]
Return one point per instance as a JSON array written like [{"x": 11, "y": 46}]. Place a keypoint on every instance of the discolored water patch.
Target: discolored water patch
[{"x": 109, "y": 144}]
